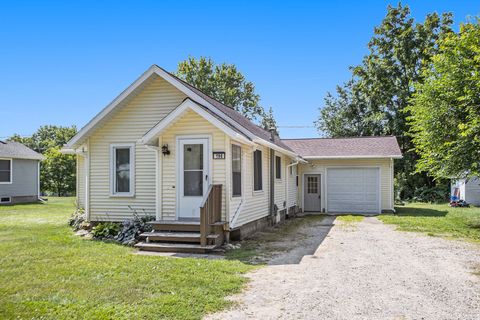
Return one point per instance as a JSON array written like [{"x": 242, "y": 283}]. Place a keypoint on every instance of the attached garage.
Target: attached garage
[
  {"x": 346, "y": 175},
  {"x": 353, "y": 190}
]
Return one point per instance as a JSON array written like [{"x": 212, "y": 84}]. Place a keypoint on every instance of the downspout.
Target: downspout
[{"x": 272, "y": 179}]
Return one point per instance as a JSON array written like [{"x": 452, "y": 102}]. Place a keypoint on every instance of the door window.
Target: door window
[
  {"x": 312, "y": 184},
  {"x": 193, "y": 169}
]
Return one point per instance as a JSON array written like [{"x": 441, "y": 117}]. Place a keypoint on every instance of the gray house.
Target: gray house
[{"x": 19, "y": 173}]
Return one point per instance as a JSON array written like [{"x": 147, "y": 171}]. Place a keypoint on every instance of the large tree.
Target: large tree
[
  {"x": 374, "y": 101},
  {"x": 57, "y": 171},
  {"x": 445, "y": 110},
  {"x": 223, "y": 82}
]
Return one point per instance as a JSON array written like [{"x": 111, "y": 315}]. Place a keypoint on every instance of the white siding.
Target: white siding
[
  {"x": 318, "y": 166},
  {"x": 292, "y": 187},
  {"x": 127, "y": 125},
  {"x": 189, "y": 124},
  {"x": 280, "y": 184},
  {"x": 472, "y": 191},
  {"x": 81, "y": 181}
]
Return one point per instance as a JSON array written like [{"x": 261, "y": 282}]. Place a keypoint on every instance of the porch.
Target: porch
[{"x": 189, "y": 234}]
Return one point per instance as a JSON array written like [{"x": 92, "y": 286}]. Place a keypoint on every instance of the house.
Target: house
[
  {"x": 466, "y": 189},
  {"x": 19, "y": 173},
  {"x": 203, "y": 170}
]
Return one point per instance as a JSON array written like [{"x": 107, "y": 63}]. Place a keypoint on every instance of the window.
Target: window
[
  {"x": 5, "y": 200},
  {"x": 278, "y": 167},
  {"x": 5, "y": 170},
  {"x": 122, "y": 170},
  {"x": 257, "y": 170},
  {"x": 236, "y": 170},
  {"x": 312, "y": 185}
]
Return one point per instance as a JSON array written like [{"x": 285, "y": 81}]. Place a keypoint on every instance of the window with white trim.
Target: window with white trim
[
  {"x": 278, "y": 167},
  {"x": 257, "y": 171},
  {"x": 5, "y": 170},
  {"x": 122, "y": 166},
  {"x": 236, "y": 170}
]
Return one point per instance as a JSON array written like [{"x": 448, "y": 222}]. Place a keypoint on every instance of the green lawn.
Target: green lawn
[
  {"x": 437, "y": 220},
  {"x": 48, "y": 273}
]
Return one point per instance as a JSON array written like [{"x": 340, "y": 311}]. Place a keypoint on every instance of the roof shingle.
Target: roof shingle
[
  {"x": 16, "y": 150},
  {"x": 381, "y": 147}
]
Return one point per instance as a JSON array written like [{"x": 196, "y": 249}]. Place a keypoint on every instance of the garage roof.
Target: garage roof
[{"x": 362, "y": 147}]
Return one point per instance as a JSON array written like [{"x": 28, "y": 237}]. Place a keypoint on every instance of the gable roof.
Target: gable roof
[
  {"x": 16, "y": 150},
  {"x": 226, "y": 114},
  {"x": 335, "y": 148}
]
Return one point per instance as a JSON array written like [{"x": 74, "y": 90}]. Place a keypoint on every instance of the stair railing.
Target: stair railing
[{"x": 210, "y": 211}]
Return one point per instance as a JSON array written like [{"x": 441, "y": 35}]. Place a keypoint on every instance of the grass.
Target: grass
[
  {"x": 349, "y": 219},
  {"x": 437, "y": 220},
  {"x": 46, "y": 272}
]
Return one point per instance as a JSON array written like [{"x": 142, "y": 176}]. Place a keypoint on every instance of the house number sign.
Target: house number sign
[{"x": 218, "y": 155}]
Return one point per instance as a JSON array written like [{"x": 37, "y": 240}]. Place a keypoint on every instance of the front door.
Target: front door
[
  {"x": 311, "y": 191},
  {"x": 193, "y": 176}
]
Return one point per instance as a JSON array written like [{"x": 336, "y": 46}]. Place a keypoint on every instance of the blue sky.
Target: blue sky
[{"x": 61, "y": 62}]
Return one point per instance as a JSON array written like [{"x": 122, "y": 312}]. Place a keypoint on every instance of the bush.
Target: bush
[
  {"x": 431, "y": 194},
  {"x": 105, "y": 230},
  {"x": 78, "y": 220},
  {"x": 132, "y": 228}
]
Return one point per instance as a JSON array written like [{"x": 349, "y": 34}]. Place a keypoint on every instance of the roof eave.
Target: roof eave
[{"x": 354, "y": 157}]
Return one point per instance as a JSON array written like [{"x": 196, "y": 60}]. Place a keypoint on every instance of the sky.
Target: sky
[{"x": 61, "y": 62}]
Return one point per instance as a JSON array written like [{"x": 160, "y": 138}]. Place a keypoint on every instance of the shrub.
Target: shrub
[
  {"x": 431, "y": 194},
  {"x": 78, "y": 220},
  {"x": 132, "y": 228},
  {"x": 105, "y": 230}
]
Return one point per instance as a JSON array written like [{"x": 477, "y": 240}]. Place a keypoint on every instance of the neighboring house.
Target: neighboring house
[
  {"x": 164, "y": 148},
  {"x": 19, "y": 173},
  {"x": 467, "y": 189}
]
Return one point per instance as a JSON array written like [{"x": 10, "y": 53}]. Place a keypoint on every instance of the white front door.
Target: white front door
[{"x": 193, "y": 176}]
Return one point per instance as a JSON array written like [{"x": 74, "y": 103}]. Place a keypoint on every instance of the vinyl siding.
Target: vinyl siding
[
  {"x": 190, "y": 124},
  {"x": 318, "y": 166},
  {"x": 472, "y": 191},
  {"x": 280, "y": 184},
  {"x": 81, "y": 181},
  {"x": 129, "y": 124},
  {"x": 292, "y": 187},
  {"x": 24, "y": 179}
]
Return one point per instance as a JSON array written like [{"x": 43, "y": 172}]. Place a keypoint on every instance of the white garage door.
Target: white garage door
[{"x": 353, "y": 190}]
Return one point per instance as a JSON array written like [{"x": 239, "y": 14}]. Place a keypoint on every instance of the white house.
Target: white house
[{"x": 203, "y": 170}]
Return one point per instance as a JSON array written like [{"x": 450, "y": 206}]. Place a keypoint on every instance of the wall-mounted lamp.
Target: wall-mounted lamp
[{"x": 165, "y": 150}]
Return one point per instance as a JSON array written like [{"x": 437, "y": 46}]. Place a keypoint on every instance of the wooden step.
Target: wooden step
[
  {"x": 175, "y": 225},
  {"x": 168, "y": 236},
  {"x": 174, "y": 247}
]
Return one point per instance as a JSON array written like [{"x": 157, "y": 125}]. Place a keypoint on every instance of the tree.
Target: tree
[
  {"x": 224, "y": 83},
  {"x": 268, "y": 121},
  {"x": 57, "y": 171},
  {"x": 445, "y": 110},
  {"x": 374, "y": 101}
]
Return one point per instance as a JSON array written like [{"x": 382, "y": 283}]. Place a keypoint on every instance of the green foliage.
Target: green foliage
[
  {"x": 57, "y": 172},
  {"x": 435, "y": 194},
  {"x": 48, "y": 273},
  {"x": 268, "y": 121},
  {"x": 132, "y": 228},
  {"x": 374, "y": 101},
  {"x": 223, "y": 82},
  {"x": 445, "y": 110},
  {"x": 106, "y": 230},
  {"x": 78, "y": 220}
]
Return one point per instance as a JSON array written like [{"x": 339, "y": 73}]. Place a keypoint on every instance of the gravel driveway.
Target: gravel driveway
[{"x": 368, "y": 271}]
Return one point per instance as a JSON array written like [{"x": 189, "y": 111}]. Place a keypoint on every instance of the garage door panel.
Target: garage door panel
[{"x": 353, "y": 190}]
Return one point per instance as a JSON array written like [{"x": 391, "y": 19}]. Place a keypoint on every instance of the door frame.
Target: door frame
[
  {"x": 179, "y": 166},
  {"x": 322, "y": 193},
  {"x": 356, "y": 167}
]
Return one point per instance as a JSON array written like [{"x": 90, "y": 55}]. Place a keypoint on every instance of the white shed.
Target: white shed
[{"x": 467, "y": 189}]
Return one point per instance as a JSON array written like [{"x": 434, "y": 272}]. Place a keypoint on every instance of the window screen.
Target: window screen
[
  {"x": 278, "y": 167},
  {"x": 122, "y": 170}
]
